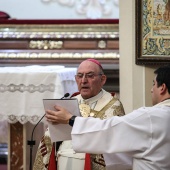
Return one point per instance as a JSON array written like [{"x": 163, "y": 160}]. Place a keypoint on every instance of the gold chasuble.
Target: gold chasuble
[{"x": 104, "y": 105}]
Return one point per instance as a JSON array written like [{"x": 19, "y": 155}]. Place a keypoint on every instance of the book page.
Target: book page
[{"x": 61, "y": 132}]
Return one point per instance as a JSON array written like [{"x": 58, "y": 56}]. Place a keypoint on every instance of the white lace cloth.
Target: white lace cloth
[{"x": 22, "y": 90}]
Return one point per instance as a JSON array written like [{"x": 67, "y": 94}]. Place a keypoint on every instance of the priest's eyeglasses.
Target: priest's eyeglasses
[{"x": 87, "y": 75}]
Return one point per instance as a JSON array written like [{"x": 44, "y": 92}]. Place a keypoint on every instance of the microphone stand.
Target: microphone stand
[{"x": 31, "y": 142}]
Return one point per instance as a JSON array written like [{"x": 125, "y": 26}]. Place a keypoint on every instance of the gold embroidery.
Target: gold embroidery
[
  {"x": 43, "y": 153},
  {"x": 92, "y": 114},
  {"x": 84, "y": 110},
  {"x": 101, "y": 114},
  {"x": 97, "y": 160}
]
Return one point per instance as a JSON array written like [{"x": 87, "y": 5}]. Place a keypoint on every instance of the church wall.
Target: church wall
[{"x": 135, "y": 80}]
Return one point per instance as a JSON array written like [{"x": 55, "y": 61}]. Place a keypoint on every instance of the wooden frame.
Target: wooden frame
[
  {"x": 58, "y": 41},
  {"x": 152, "y": 32}
]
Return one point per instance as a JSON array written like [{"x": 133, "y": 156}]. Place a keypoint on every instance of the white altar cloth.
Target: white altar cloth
[{"x": 23, "y": 88}]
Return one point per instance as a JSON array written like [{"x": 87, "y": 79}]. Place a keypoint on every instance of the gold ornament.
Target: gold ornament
[
  {"x": 92, "y": 114},
  {"x": 84, "y": 109}
]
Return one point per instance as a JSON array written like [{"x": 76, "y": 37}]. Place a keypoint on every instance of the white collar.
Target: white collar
[
  {"x": 164, "y": 103},
  {"x": 92, "y": 99}
]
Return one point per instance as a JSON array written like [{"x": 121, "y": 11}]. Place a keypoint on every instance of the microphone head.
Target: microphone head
[{"x": 67, "y": 94}]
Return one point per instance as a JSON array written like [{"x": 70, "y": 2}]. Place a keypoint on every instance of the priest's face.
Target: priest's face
[{"x": 90, "y": 79}]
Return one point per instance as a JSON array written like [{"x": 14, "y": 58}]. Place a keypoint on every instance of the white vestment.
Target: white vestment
[
  {"x": 103, "y": 105},
  {"x": 68, "y": 159},
  {"x": 143, "y": 134}
]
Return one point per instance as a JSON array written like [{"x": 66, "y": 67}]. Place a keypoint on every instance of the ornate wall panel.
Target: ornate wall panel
[
  {"x": 66, "y": 42},
  {"x": 44, "y": 42}
]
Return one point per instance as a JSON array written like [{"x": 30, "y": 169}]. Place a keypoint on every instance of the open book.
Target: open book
[{"x": 61, "y": 132}]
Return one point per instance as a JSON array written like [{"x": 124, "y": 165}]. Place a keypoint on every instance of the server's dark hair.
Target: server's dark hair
[{"x": 163, "y": 76}]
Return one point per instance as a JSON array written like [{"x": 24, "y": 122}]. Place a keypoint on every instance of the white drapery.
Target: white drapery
[{"x": 22, "y": 90}]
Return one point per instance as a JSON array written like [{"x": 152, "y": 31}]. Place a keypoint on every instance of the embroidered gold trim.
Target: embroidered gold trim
[{"x": 84, "y": 110}]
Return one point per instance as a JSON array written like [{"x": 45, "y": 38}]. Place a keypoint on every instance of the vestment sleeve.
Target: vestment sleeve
[{"x": 127, "y": 134}]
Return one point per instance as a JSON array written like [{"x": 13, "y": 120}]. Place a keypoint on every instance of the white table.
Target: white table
[{"x": 22, "y": 90}]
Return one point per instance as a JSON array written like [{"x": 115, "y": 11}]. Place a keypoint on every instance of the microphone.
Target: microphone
[
  {"x": 66, "y": 95},
  {"x": 32, "y": 142}
]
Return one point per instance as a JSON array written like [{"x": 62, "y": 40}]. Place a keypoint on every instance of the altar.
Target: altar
[{"x": 22, "y": 90}]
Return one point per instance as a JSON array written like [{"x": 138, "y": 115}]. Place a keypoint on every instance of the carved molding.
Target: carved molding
[
  {"x": 58, "y": 31},
  {"x": 102, "y": 44},
  {"x": 70, "y": 55},
  {"x": 45, "y": 44},
  {"x": 42, "y": 43}
]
